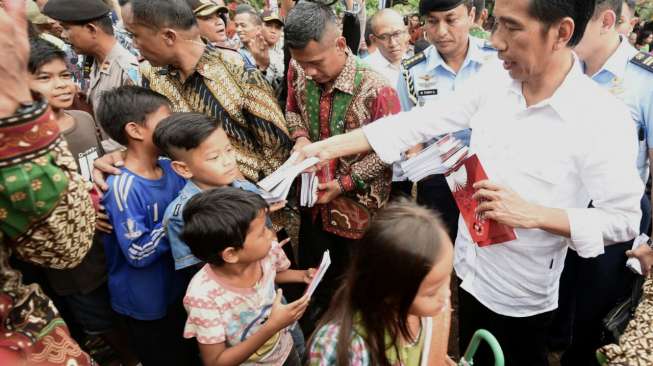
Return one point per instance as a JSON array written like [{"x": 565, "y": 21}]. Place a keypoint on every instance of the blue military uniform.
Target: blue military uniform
[
  {"x": 591, "y": 287},
  {"x": 425, "y": 78}
]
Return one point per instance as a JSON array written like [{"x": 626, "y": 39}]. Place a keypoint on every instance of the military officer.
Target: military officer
[
  {"x": 591, "y": 287},
  {"x": 453, "y": 58},
  {"x": 89, "y": 29}
]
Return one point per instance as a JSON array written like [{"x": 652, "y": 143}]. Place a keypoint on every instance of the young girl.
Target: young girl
[{"x": 395, "y": 291}]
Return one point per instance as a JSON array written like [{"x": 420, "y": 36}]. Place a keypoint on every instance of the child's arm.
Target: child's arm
[
  {"x": 295, "y": 275},
  {"x": 140, "y": 244},
  {"x": 281, "y": 316}
]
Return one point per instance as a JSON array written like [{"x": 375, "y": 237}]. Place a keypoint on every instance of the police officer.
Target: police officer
[
  {"x": 453, "y": 58},
  {"x": 591, "y": 287},
  {"x": 89, "y": 29}
]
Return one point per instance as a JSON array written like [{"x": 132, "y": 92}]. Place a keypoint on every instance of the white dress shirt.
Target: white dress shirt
[
  {"x": 381, "y": 65},
  {"x": 558, "y": 153}
]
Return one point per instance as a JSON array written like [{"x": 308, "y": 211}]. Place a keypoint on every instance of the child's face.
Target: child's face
[
  {"x": 258, "y": 240},
  {"x": 55, "y": 82},
  {"x": 434, "y": 293},
  {"x": 213, "y": 163}
]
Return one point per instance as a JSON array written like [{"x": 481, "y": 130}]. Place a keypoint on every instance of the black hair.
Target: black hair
[
  {"x": 641, "y": 37},
  {"x": 125, "y": 104},
  {"x": 158, "y": 14},
  {"x": 384, "y": 277},
  {"x": 551, "y": 11},
  {"x": 42, "y": 52},
  {"x": 184, "y": 131},
  {"x": 368, "y": 32},
  {"x": 615, "y": 5},
  {"x": 217, "y": 219},
  {"x": 479, "y": 6},
  {"x": 306, "y": 22},
  {"x": 254, "y": 17},
  {"x": 105, "y": 24}
]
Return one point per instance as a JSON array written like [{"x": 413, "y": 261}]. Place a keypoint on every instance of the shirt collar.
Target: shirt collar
[
  {"x": 345, "y": 81},
  {"x": 616, "y": 63},
  {"x": 190, "y": 188},
  {"x": 562, "y": 99},
  {"x": 474, "y": 54}
]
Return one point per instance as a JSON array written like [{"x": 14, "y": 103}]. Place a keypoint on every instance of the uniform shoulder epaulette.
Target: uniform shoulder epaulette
[
  {"x": 643, "y": 60},
  {"x": 416, "y": 59}
]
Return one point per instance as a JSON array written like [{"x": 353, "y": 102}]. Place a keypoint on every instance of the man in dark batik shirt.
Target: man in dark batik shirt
[{"x": 196, "y": 77}]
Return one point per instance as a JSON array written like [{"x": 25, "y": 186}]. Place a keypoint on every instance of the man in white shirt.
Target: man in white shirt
[
  {"x": 391, "y": 37},
  {"x": 546, "y": 136}
]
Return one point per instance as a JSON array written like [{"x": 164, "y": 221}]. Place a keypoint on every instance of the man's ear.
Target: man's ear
[
  {"x": 182, "y": 169},
  {"x": 472, "y": 14},
  {"x": 565, "y": 31},
  {"x": 133, "y": 131},
  {"x": 341, "y": 43},
  {"x": 170, "y": 36},
  {"x": 91, "y": 28},
  {"x": 230, "y": 255},
  {"x": 608, "y": 20}
]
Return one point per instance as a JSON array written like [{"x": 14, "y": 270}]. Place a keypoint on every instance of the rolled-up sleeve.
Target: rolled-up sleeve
[
  {"x": 392, "y": 135},
  {"x": 609, "y": 173}
]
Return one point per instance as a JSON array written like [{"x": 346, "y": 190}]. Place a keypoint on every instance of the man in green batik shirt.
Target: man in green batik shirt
[{"x": 479, "y": 19}]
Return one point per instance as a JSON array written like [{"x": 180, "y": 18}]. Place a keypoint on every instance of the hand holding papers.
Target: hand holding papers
[
  {"x": 462, "y": 169},
  {"x": 319, "y": 274},
  {"x": 277, "y": 185}
]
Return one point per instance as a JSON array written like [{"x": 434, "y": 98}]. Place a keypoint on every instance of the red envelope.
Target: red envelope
[{"x": 461, "y": 179}]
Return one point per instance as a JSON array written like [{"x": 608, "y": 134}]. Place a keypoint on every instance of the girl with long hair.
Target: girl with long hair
[{"x": 396, "y": 286}]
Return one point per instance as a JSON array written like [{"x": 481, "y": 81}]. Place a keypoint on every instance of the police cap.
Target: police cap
[
  {"x": 427, "y": 6},
  {"x": 75, "y": 11}
]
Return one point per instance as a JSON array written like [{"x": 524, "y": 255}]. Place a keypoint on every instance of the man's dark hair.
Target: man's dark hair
[
  {"x": 158, "y": 14},
  {"x": 41, "y": 53},
  {"x": 614, "y": 5},
  {"x": 551, "y": 11},
  {"x": 479, "y": 5},
  {"x": 105, "y": 24},
  {"x": 125, "y": 104},
  {"x": 368, "y": 32},
  {"x": 217, "y": 219},
  {"x": 254, "y": 17},
  {"x": 306, "y": 22},
  {"x": 184, "y": 131}
]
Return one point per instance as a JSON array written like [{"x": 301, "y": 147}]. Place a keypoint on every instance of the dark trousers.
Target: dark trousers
[
  {"x": 313, "y": 242},
  {"x": 160, "y": 342},
  {"x": 523, "y": 340},
  {"x": 434, "y": 193},
  {"x": 589, "y": 289}
]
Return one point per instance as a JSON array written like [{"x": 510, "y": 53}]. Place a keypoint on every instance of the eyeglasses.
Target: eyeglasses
[{"x": 387, "y": 37}]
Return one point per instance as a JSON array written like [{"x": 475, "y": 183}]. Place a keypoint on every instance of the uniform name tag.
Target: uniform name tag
[{"x": 426, "y": 92}]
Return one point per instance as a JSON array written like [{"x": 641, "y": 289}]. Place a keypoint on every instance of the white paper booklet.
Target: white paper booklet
[
  {"x": 308, "y": 195},
  {"x": 633, "y": 263},
  {"x": 435, "y": 159},
  {"x": 277, "y": 185},
  {"x": 319, "y": 274}
]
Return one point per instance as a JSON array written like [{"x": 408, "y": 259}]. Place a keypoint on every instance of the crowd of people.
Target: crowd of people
[{"x": 133, "y": 134}]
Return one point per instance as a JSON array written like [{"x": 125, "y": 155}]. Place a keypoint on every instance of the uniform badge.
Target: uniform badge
[
  {"x": 426, "y": 81},
  {"x": 617, "y": 87}
]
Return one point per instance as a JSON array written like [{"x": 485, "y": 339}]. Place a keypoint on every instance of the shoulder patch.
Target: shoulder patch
[
  {"x": 643, "y": 60},
  {"x": 416, "y": 59}
]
